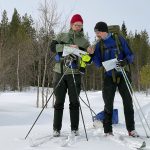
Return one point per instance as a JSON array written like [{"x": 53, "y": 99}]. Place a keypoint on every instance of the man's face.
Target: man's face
[
  {"x": 77, "y": 26},
  {"x": 101, "y": 35}
]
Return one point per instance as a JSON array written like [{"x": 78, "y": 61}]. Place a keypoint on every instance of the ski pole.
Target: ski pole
[
  {"x": 45, "y": 104},
  {"x": 129, "y": 88},
  {"x": 78, "y": 101},
  {"x": 87, "y": 99},
  {"x": 136, "y": 99},
  {"x": 87, "y": 105}
]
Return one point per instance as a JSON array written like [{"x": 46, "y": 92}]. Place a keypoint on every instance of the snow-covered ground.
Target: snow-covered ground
[{"x": 18, "y": 112}]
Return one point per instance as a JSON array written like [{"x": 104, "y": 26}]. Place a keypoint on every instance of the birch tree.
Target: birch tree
[{"x": 49, "y": 19}]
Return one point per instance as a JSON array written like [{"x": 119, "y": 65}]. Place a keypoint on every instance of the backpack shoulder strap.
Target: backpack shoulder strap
[
  {"x": 119, "y": 47},
  {"x": 115, "y": 36},
  {"x": 101, "y": 43}
]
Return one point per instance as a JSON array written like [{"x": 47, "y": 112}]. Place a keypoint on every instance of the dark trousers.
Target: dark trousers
[
  {"x": 66, "y": 84},
  {"x": 109, "y": 89}
]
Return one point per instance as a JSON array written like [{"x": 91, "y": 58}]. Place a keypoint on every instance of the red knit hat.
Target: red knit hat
[{"x": 76, "y": 18}]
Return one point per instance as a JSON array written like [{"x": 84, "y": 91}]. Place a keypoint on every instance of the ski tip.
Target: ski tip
[{"x": 142, "y": 146}]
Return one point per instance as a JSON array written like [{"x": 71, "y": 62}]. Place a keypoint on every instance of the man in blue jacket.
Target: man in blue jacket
[{"x": 107, "y": 49}]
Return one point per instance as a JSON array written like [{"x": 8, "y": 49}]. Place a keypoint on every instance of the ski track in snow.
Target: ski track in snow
[
  {"x": 94, "y": 135},
  {"x": 18, "y": 112}
]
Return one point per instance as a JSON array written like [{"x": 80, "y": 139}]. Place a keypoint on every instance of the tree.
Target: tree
[
  {"x": 139, "y": 43},
  {"x": 4, "y": 31},
  {"x": 49, "y": 18},
  {"x": 15, "y": 23},
  {"x": 124, "y": 29},
  {"x": 145, "y": 77},
  {"x": 3, "y": 34},
  {"x": 19, "y": 55},
  {"x": 27, "y": 23}
]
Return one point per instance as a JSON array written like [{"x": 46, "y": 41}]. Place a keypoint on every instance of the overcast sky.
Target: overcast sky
[{"x": 135, "y": 13}]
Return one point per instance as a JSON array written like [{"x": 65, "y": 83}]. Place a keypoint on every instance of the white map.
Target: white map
[
  {"x": 110, "y": 64},
  {"x": 70, "y": 50}
]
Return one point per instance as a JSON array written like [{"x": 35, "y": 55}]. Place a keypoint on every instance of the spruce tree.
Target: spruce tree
[
  {"x": 4, "y": 31},
  {"x": 15, "y": 23},
  {"x": 27, "y": 23},
  {"x": 4, "y": 20},
  {"x": 124, "y": 29},
  {"x": 4, "y": 27}
]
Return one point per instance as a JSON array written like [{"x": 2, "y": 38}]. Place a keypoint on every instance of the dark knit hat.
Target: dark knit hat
[
  {"x": 101, "y": 26},
  {"x": 76, "y": 18}
]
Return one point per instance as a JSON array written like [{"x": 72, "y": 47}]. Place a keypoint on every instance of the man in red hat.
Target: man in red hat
[{"x": 74, "y": 38}]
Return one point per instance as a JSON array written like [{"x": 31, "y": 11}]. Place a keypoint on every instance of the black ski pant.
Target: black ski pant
[
  {"x": 66, "y": 84},
  {"x": 108, "y": 92}
]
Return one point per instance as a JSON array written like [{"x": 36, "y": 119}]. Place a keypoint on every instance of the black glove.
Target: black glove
[
  {"x": 71, "y": 61},
  {"x": 121, "y": 63},
  {"x": 60, "y": 54}
]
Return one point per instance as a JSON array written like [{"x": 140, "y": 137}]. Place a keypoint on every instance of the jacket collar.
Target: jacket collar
[{"x": 76, "y": 34}]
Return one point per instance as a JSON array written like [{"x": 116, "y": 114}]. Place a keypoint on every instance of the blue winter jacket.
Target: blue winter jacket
[{"x": 110, "y": 52}]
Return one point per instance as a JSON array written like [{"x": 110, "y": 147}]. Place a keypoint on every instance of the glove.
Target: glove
[
  {"x": 57, "y": 58},
  {"x": 121, "y": 63},
  {"x": 90, "y": 62},
  {"x": 73, "y": 65},
  {"x": 71, "y": 61},
  {"x": 82, "y": 67},
  {"x": 85, "y": 59}
]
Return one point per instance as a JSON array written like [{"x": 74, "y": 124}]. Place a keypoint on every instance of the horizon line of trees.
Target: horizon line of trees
[{"x": 26, "y": 60}]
